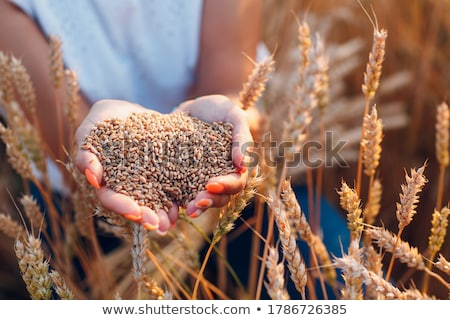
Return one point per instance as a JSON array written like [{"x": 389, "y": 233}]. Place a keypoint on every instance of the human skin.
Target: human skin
[{"x": 229, "y": 29}]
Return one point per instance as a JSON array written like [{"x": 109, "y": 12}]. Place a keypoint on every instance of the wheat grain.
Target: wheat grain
[{"x": 158, "y": 159}]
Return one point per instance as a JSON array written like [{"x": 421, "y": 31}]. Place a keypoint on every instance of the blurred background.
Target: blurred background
[{"x": 415, "y": 79}]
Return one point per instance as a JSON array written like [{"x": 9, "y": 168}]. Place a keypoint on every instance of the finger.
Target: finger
[
  {"x": 89, "y": 164},
  {"x": 118, "y": 203},
  {"x": 150, "y": 220},
  {"x": 173, "y": 214},
  {"x": 205, "y": 200},
  {"x": 242, "y": 138},
  {"x": 164, "y": 222},
  {"x": 228, "y": 184}
]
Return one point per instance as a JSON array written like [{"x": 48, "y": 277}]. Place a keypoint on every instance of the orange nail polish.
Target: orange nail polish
[
  {"x": 132, "y": 217},
  {"x": 91, "y": 178},
  {"x": 204, "y": 203},
  {"x": 196, "y": 213},
  {"x": 214, "y": 187}
]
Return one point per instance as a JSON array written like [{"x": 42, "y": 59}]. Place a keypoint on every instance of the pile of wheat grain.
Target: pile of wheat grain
[{"x": 158, "y": 159}]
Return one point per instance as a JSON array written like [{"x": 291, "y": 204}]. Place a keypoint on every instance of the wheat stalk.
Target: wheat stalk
[
  {"x": 10, "y": 227},
  {"x": 256, "y": 83},
  {"x": 34, "y": 267},
  {"x": 377, "y": 284},
  {"x": 443, "y": 264},
  {"x": 442, "y": 142},
  {"x": 409, "y": 198},
  {"x": 60, "y": 286},
  {"x": 275, "y": 277},
  {"x": 371, "y": 141},
  {"x": 296, "y": 264},
  {"x": 353, "y": 289},
  {"x": 350, "y": 202},
  {"x": 398, "y": 248}
]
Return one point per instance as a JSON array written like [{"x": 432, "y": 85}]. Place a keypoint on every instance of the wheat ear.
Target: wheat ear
[
  {"x": 256, "y": 83},
  {"x": 442, "y": 142},
  {"x": 275, "y": 277},
  {"x": 350, "y": 202},
  {"x": 296, "y": 264},
  {"x": 34, "y": 268}
]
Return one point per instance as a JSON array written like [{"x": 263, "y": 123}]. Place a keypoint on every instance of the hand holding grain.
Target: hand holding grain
[{"x": 145, "y": 164}]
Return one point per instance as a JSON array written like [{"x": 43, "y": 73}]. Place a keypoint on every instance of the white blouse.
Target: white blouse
[{"x": 143, "y": 51}]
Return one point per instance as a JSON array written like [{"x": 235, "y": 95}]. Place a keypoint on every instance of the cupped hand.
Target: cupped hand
[
  {"x": 214, "y": 108},
  {"x": 219, "y": 189},
  {"x": 89, "y": 164}
]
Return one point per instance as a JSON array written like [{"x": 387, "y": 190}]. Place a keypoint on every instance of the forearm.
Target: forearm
[
  {"x": 231, "y": 32},
  {"x": 20, "y": 37}
]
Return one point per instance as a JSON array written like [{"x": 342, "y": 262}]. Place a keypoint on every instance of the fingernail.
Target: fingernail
[
  {"x": 132, "y": 217},
  {"x": 241, "y": 170},
  {"x": 149, "y": 226},
  {"x": 161, "y": 233},
  {"x": 91, "y": 178},
  {"x": 196, "y": 213},
  {"x": 204, "y": 203},
  {"x": 214, "y": 187}
]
